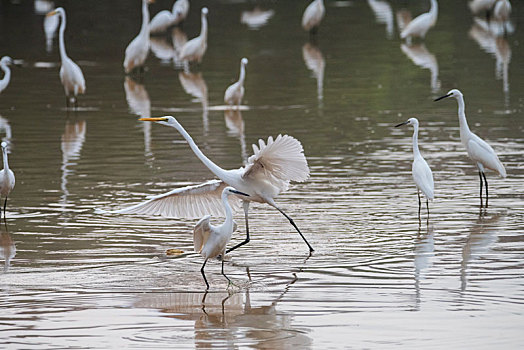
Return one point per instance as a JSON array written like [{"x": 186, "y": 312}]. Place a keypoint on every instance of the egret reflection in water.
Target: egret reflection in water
[
  {"x": 419, "y": 54},
  {"x": 7, "y": 247},
  {"x": 178, "y": 39},
  {"x": 50, "y": 28},
  {"x": 71, "y": 144},
  {"x": 162, "y": 49},
  {"x": 256, "y": 18},
  {"x": 316, "y": 63},
  {"x": 5, "y": 128},
  {"x": 383, "y": 14},
  {"x": 195, "y": 85},
  {"x": 235, "y": 126},
  {"x": 424, "y": 252},
  {"x": 140, "y": 105}
]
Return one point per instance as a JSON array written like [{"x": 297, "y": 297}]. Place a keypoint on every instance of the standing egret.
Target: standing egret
[
  {"x": 210, "y": 241},
  {"x": 7, "y": 178},
  {"x": 313, "y": 15},
  {"x": 420, "y": 170},
  {"x": 70, "y": 74},
  {"x": 235, "y": 92},
  {"x": 267, "y": 173},
  {"x": 138, "y": 48},
  {"x": 420, "y": 25},
  {"x": 478, "y": 150},
  {"x": 195, "y": 48},
  {"x": 4, "y": 64}
]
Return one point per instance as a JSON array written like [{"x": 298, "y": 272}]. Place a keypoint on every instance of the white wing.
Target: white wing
[
  {"x": 480, "y": 151},
  {"x": 423, "y": 177},
  {"x": 201, "y": 233},
  {"x": 188, "y": 202},
  {"x": 281, "y": 161}
]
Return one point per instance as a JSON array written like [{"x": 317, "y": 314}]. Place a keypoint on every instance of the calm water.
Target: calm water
[{"x": 378, "y": 278}]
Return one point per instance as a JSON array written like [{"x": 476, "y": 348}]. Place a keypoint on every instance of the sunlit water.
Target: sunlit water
[{"x": 378, "y": 277}]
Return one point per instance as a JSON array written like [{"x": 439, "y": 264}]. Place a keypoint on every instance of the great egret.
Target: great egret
[
  {"x": 4, "y": 64},
  {"x": 478, "y": 150},
  {"x": 420, "y": 170},
  {"x": 420, "y": 25},
  {"x": 138, "y": 48},
  {"x": 268, "y": 172},
  {"x": 235, "y": 92},
  {"x": 313, "y": 15},
  {"x": 210, "y": 241},
  {"x": 195, "y": 48},
  {"x": 70, "y": 74},
  {"x": 7, "y": 177}
]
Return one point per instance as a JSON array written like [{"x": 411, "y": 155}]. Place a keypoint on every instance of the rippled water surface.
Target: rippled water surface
[{"x": 378, "y": 278}]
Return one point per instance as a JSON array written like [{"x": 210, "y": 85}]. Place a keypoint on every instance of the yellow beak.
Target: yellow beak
[
  {"x": 49, "y": 14},
  {"x": 155, "y": 119}
]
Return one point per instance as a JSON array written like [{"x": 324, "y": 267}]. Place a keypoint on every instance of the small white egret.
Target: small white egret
[
  {"x": 195, "y": 48},
  {"x": 138, "y": 48},
  {"x": 420, "y": 170},
  {"x": 479, "y": 151},
  {"x": 267, "y": 173},
  {"x": 235, "y": 92},
  {"x": 210, "y": 241},
  {"x": 7, "y": 178},
  {"x": 4, "y": 65},
  {"x": 420, "y": 25},
  {"x": 313, "y": 15},
  {"x": 70, "y": 74}
]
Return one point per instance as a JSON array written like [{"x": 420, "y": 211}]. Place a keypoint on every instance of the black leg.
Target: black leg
[
  {"x": 67, "y": 102},
  {"x": 427, "y": 205},
  {"x": 480, "y": 176},
  {"x": 76, "y": 102},
  {"x": 296, "y": 228},
  {"x": 5, "y": 205},
  {"x": 246, "y": 210},
  {"x": 224, "y": 273},
  {"x": 486, "y": 183},
  {"x": 419, "y": 205},
  {"x": 203, "y": 274}
]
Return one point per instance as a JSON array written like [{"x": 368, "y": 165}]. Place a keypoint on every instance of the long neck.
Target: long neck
[
  {"x": 145, "y": 19},
  {"x": 6, "y": 163},
  {"x": 242, "y": 73},
  {"x": 215, "y": 169},
  {"x": 464, "y": 128},
  {"x": 434, "y": 8},
  {"x": 416, "y": 151},
  {"x": 228, "y": 211},
  {"x": 203, "y": 28},
  {"x": 63, "y": 54}
]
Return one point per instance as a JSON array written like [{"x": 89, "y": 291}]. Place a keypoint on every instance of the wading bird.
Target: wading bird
[
  {"x": 268, "y": 172},
  {"x": 7, "y": 178},
  {"x": 138, "y": 48},
  {"x": 420, "y": 25},
  {"x": 70, "y": 74},
  {"x": 4, "y": 65},
  {"x": 210, "y": 241},
  {"x": 478, "y": 150},
  {"x": 235, "y": 92},
  {"x": 195, "y": 48},
  {"x": 420, "y": 170},
  {"x": 313, "y": 15}
]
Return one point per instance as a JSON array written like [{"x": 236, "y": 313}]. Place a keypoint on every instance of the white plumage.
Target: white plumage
[
  {"x": 4, "y": 65},
  {"x": 420, "y": 169},
  {"x": 235, "y": 92},
  {"x": 165, "y": 19},
  {"x": 7, "y": 177},
  {"x": 420, "y": 25},
  {"x": 268, "y": 172},
  {"x": 195, "y": 48},
  {"x": 70, "y": 73},
  {"x": 313, "y": 15},
  {"x": 138, "y": 48},
  {"x": 479, "y": 151}
]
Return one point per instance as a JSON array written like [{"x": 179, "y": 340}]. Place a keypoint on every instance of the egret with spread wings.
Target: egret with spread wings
[
  {"x": 268, "y": 172},
  {"x": 210, "y": 241}
]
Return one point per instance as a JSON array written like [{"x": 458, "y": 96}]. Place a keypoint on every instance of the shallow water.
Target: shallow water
[{"x": 378, "y": 278}]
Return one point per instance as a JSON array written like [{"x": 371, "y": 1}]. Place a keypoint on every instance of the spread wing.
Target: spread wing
[
  {"x": 187, "y": 202},
  {"x": 280, "y": 161},
  {"x": 201, "y": 233}
]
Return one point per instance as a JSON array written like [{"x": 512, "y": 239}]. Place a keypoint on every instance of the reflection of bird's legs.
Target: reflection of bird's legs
[
  {"x": 76, "y": 103},
  {"x": 204, "y": 301},
  {"x": 229, "y": 281},
  {"x": 480, "y": 176},
  {"x": 203, "y": 274},
  {"x": 296, "y": 228},
  {"x": 246, "y": 210},
  {"x": 486, "y": 182},
  {"x": 67, "y": 101}
]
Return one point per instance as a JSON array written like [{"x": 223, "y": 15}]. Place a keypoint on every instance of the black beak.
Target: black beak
[
  {"x": 396, "y": 126},
  {"x": 441, "y": 97},
  {"x": 240, "y": 193}
]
